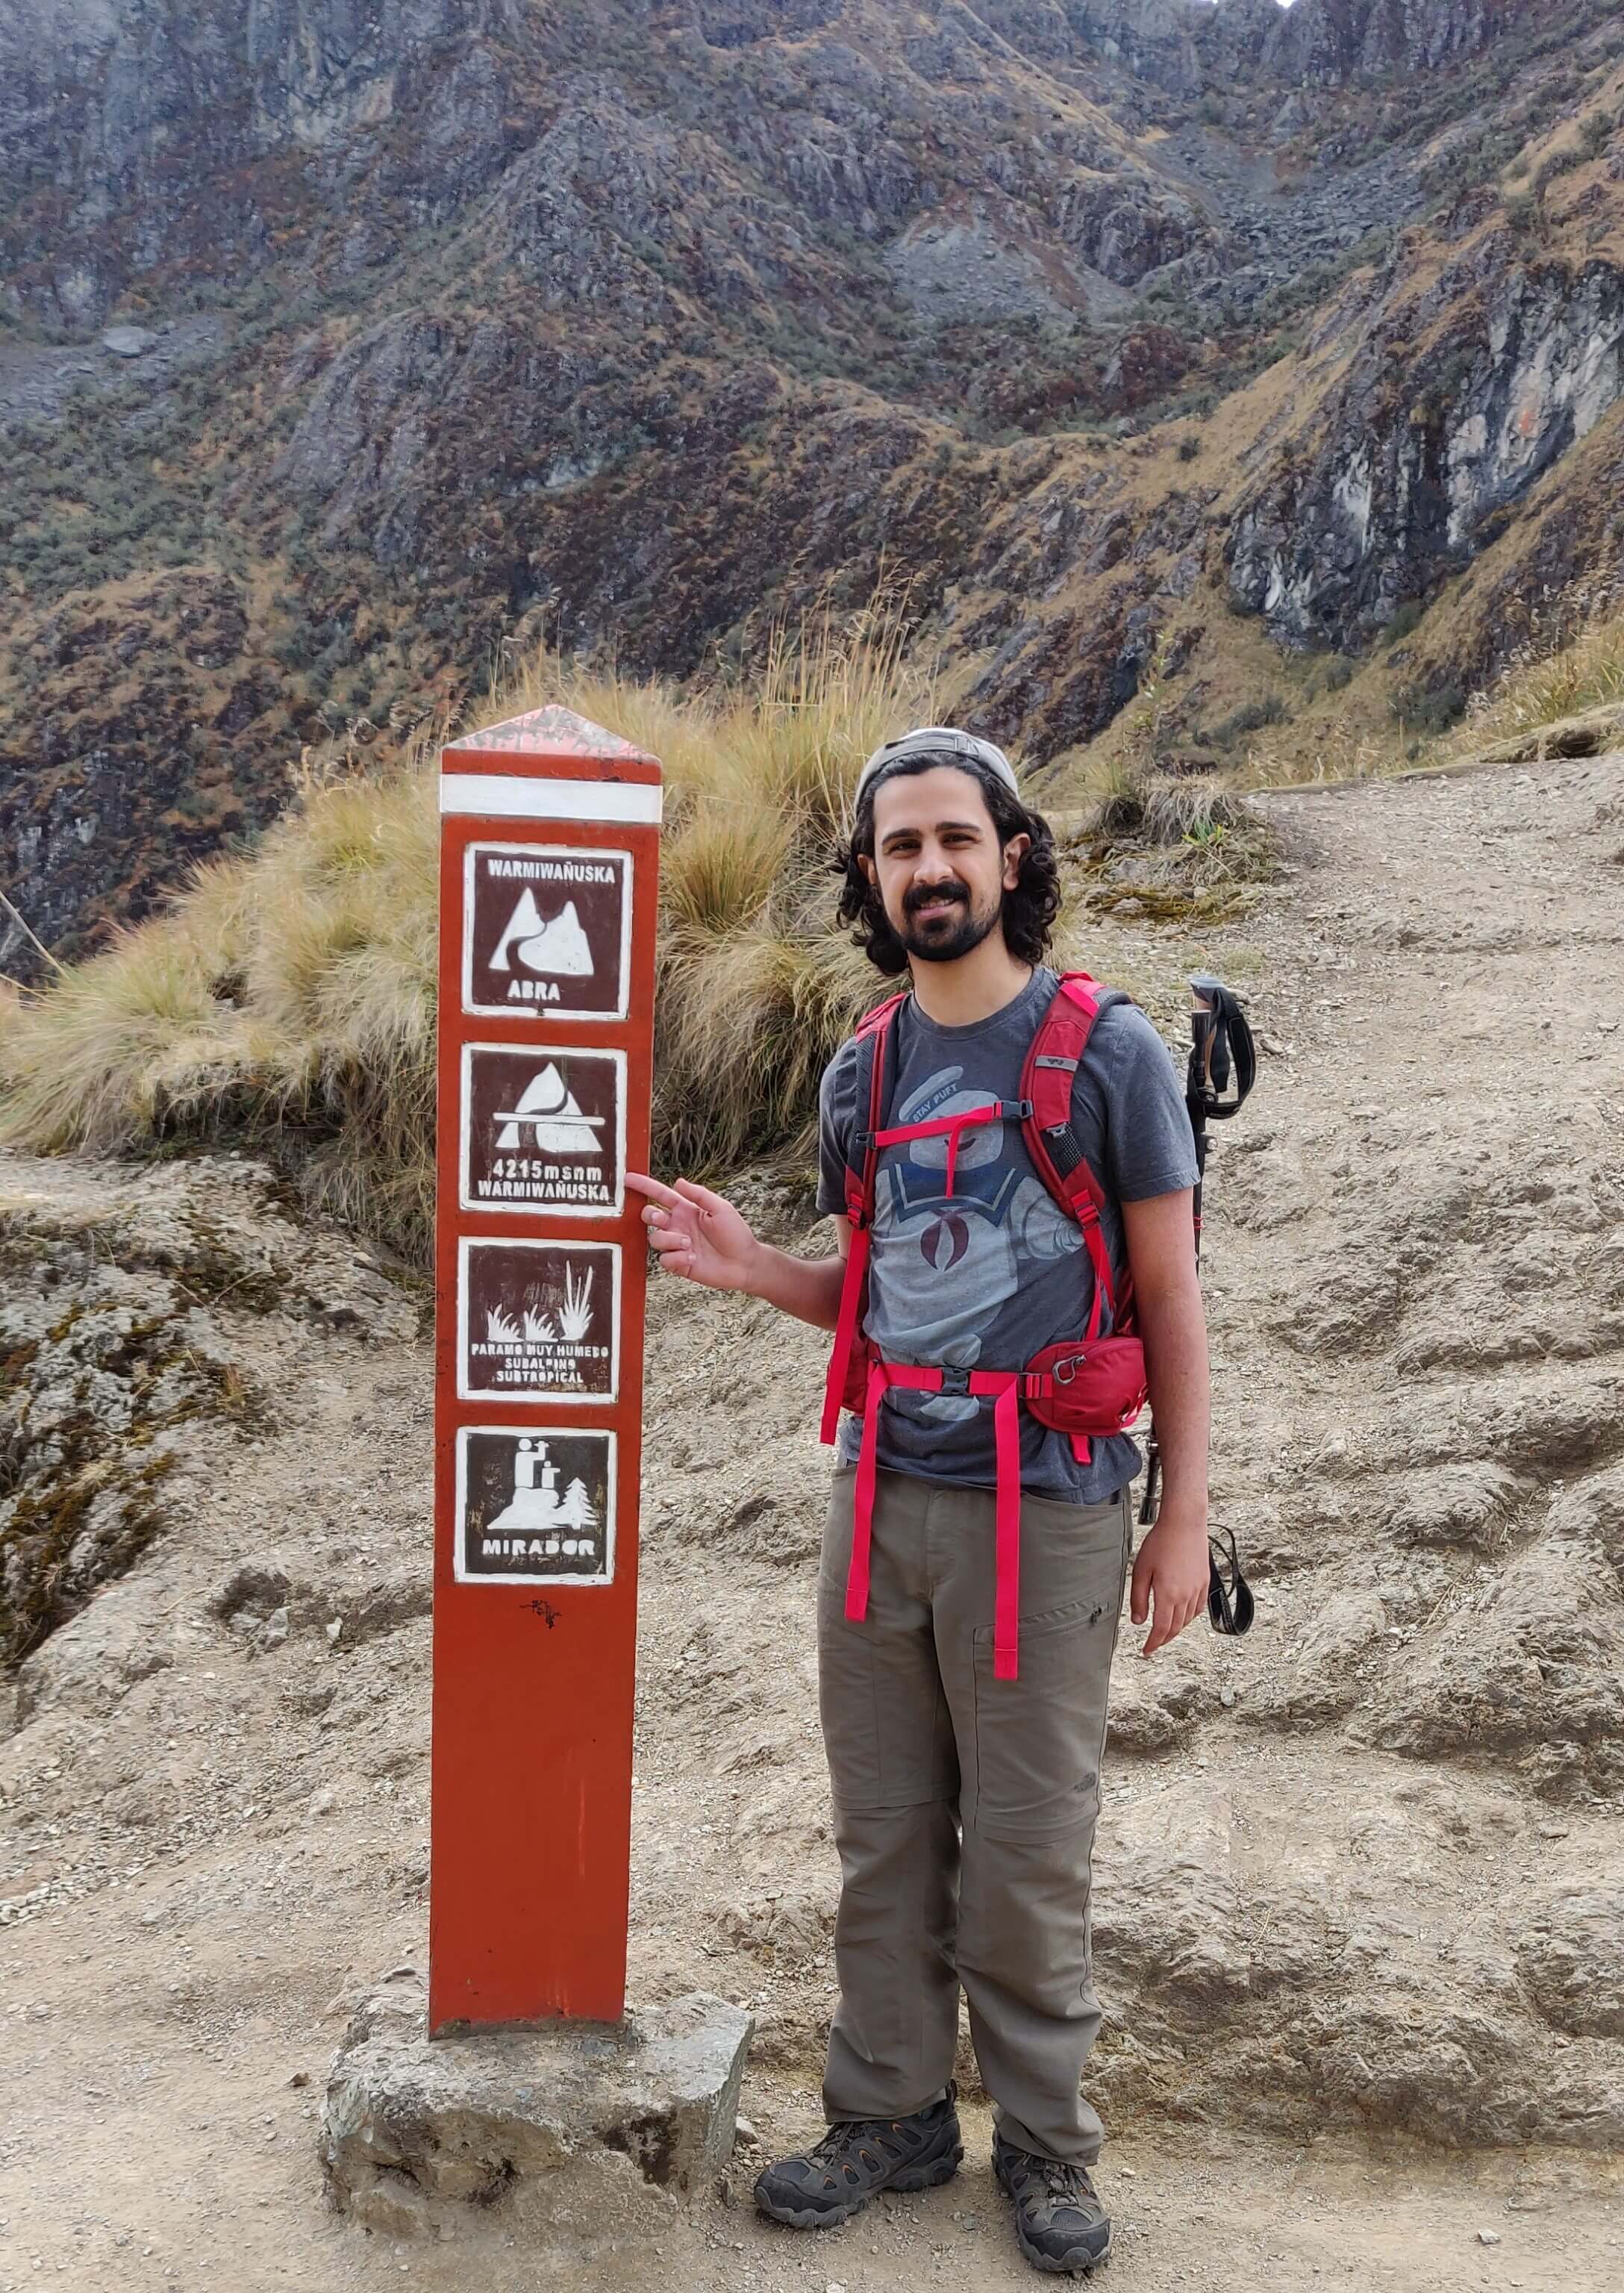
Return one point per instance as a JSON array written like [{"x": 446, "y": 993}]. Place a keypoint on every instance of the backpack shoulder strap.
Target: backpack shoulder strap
[
  {"x": 873, "y": 1040},
  {"x": 1052, "y": 1062}
]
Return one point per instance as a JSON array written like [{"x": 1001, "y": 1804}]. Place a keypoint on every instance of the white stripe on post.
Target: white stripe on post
[{"x": 493, "y": 796}]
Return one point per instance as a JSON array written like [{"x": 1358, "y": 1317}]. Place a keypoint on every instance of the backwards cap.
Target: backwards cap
[{"x": 945, "y": 740}]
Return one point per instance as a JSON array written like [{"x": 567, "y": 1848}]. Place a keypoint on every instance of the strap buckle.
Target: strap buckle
[{"x": 955, "y": 1380}]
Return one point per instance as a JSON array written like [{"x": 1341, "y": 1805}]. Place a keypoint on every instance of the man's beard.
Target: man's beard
[{"x": 945, "y": 940}]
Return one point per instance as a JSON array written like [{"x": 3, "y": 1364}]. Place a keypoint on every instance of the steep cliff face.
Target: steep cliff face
[
  {"x": 140, "y": 135},
  {"x": 357, "y": 333},
  {"x": 1455, "y": 402},
  {"x": 1334, "y": 41}
]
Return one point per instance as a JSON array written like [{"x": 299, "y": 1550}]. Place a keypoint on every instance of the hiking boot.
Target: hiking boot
[
  {"x": 858, "y": 2156},
  {"x": 1059, "y": 2219}
]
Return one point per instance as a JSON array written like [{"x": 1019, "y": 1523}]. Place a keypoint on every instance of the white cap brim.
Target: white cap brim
[{"x": 949, "y": 743}]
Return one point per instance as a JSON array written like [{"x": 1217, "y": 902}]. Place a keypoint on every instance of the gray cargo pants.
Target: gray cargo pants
[{"x": 924, "y": 1746}]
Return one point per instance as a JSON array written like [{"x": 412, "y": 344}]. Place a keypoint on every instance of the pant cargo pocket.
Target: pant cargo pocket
[{"x": 1038, "y": 1737}]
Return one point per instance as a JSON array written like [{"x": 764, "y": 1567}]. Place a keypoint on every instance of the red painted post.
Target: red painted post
[{"x": 549, "y": 860}]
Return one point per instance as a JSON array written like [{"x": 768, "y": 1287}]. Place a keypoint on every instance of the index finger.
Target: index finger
[{"x": 654, "y": 1188}]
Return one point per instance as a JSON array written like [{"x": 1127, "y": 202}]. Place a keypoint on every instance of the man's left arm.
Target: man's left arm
[{"x": 1170, "y": 1569}]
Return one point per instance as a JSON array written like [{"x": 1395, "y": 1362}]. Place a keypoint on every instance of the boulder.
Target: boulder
[
  {"x": 1571, "y": 1957},
  {"x": 582, "y": 2131}
]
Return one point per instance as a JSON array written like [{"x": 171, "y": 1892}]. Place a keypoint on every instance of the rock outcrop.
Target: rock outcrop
[
  {"x": 129, "y": 1335},
  {"x": 1455, "y": 402}
]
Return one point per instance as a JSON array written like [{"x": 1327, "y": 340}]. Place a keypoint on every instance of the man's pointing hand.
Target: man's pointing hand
[{"x": 696, "y": 1233}]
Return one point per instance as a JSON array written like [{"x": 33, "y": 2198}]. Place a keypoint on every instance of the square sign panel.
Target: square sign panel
[
  {"x": 546, "y": 931},
  {"x": 543, "y": 1129},
  {"x": 534, "y": 1508},
  {"x": 537, "y": 1320}
]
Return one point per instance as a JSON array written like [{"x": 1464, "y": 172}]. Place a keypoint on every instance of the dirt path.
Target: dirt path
[{"x": 1360, "y": 1879}]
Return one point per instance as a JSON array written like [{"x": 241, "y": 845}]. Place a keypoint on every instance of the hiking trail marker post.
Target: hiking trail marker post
[{"x": 548, "y": 879}]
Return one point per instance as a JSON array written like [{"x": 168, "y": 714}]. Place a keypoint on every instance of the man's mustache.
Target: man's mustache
[{"x": 923, "y": 895}]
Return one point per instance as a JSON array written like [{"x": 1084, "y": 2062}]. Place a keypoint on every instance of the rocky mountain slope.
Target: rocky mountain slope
[
  {"x": 1357, "y": 1873},
  {"x": 339, "y": 346}
]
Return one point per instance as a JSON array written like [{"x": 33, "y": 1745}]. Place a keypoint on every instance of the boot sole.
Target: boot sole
[
  {"x": 912, "y": 2178},
  {"x": 1077, "y": 2263}
]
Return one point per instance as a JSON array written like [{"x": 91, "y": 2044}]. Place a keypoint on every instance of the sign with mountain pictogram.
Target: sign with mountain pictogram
[
  {"x": 537, "y": 1320},
  {"x": 543, "y": 1129},
  {"x": 545, "y": 931},
  {"x": 549, "y": 893}
]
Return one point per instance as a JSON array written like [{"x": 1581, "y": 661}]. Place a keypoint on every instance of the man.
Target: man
[{"x": 964, "y": 1798}]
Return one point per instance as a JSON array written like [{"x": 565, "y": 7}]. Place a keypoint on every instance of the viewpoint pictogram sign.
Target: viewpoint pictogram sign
[
  {"x": 535, "y": 1508},
  {"x": 549, "y": 858}
]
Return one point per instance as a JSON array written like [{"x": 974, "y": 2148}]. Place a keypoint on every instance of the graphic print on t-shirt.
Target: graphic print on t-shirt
[{"x": 944, "y": 1264}]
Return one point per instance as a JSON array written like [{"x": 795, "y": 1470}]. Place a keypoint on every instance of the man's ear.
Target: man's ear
[
  {"x": 865, "y": 860},
  {"x": 1014, "y": 852}
]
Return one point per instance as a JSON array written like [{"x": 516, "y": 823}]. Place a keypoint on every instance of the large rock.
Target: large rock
[
  {"x": 1423, "y": 446},
  {"x": 1532, "y": 1668},
  {"x": 1570, "y": 1955},
  {"x": 577, "y": 2130}
]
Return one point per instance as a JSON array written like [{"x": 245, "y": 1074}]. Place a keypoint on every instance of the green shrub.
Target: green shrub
[
  {"x": 1429, "y": 708},
  {"x": 1251, "y": 716}
]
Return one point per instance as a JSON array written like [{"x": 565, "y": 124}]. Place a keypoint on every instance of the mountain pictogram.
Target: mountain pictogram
[
  {"x": 548, "y": 1119},
  {"x": 557, "y": 947}
]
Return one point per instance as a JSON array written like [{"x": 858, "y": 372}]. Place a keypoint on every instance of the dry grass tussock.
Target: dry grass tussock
[
  {"x": 1570, "y": 657},
  {"x": 287, "y": 1000},
  {"x": 1168, "y": 824},
  {"x": 286, "y": 997},
  {"x": 1342, "y": 744}
]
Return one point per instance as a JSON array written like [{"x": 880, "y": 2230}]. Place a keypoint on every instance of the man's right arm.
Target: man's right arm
[
  {"x": 699, "y": 1235},
  {"x": 809, "y": 1288}
]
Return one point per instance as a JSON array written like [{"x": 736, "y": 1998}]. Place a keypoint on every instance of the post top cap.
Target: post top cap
[{"x": 552, "y": 731}]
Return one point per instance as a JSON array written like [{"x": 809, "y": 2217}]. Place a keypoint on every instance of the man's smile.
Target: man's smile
[{"x": 923, "y": 906}]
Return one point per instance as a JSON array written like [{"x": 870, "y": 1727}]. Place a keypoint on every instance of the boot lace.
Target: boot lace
[{"x": 1066, "y": 2182}]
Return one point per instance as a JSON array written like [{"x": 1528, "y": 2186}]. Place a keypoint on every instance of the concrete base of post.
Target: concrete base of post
[{"x": 582, "y": 2133}]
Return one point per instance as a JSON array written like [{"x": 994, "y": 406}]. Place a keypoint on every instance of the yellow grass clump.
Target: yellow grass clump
[
  {"x": 1572, "y": 658},
  {"x": 287, "y": 998}
]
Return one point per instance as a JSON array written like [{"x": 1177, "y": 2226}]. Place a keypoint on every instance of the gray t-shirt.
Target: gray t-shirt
[{"x": 987, "y": 1276}]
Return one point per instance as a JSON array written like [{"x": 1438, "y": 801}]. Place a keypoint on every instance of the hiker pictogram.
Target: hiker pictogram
[
  {"x": 545, "y": 931},
  {"x": 543, "y": 1129},
  {"x": 537, "y": 1320},
  {"x": 535, "y": 1507}
]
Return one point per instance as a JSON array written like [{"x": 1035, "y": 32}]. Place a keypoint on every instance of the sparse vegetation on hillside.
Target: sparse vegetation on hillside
[{"x": 1572, "y": 658}]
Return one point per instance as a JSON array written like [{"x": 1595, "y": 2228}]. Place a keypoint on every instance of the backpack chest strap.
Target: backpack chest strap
[{"x": 950, "y": 1127}]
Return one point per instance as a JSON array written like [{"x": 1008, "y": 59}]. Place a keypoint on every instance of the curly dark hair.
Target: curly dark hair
[{"x": 1029, "y": 911}]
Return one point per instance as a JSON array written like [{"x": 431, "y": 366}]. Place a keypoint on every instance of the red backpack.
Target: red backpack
[{"x": 1082, "y": 1386}]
